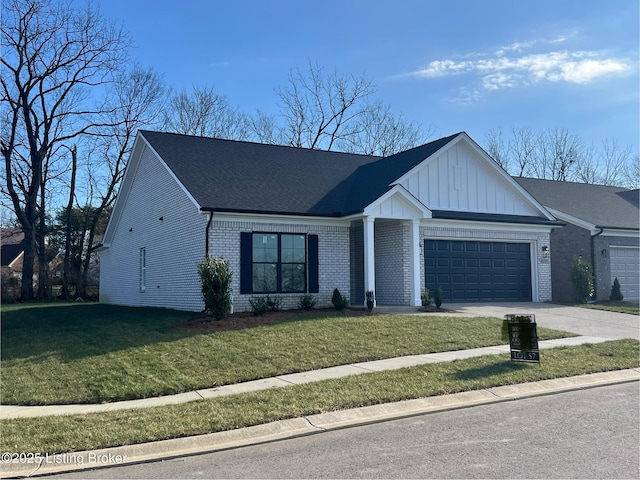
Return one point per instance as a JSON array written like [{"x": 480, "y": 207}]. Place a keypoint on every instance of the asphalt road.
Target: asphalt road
[{"x": 593, "y": 433}]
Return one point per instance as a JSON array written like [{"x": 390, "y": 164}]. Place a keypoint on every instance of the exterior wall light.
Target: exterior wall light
[{"x": 545, "y": 251}]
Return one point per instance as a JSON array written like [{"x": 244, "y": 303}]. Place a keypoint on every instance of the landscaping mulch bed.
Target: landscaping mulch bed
[{"x": 243, "y": 320}]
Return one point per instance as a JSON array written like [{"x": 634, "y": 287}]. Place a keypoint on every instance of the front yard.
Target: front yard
[
  {"x": 68, "y": 353},
  {"x": 92, "y": 353}
]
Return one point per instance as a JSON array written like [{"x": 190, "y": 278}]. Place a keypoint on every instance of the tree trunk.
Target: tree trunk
[{"x": 66, "y": 273}]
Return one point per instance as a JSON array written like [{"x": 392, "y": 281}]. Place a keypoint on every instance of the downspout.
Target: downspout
[
  {"x": 206, "y": 235},
  {"x": 593, "y": 261}
]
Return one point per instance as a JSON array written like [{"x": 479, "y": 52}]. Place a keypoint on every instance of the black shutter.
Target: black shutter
[
  {"x": 312, "y": 245},
  {"x": 246, "y": 263}
]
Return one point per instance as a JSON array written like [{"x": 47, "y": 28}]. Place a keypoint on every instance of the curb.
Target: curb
[{"x": 46, "y": 464}]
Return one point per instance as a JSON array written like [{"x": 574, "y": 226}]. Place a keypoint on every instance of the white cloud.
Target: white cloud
[{"x": 511, "y": 66}]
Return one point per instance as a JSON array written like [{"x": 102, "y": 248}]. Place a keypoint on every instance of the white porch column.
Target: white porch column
[
  {"x": 414, "y": 252},
  {"x": 369, "y": 257}
]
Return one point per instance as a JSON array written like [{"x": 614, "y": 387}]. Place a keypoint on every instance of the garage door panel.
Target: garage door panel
[{"x": 493, "y": 271}]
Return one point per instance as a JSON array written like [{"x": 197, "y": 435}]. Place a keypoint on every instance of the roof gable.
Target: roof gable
[{"x": 461, "y": 177}]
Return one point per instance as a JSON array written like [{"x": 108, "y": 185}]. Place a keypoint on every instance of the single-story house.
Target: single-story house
[
  {"x": 602, "y": 226},
  {"x": 295, "y": 221}
]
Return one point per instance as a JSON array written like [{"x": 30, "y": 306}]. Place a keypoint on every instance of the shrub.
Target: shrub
[
  {"x": 582, "y": 279},
  {"x": 425, "y": 297},
  {"x": 307, "y": 302},
  {"x": 370, "y": 299},
  {"x": 437, "y": 297},
  {"x": 274, "y": 304},
  {"x": 215, "y": 276},
  {"x": 339, "y": 301},
  {"x": 616, "y": 293},
  {"x": 259, "y": 305}
]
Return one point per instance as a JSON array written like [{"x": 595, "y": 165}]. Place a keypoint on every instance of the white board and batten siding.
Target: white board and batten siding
[
  {"x": 173, "y": 246},
  {"x": 460, "y": 179}
]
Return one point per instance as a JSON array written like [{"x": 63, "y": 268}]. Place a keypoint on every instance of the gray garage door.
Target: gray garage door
[{"x": 470, "y": 271}]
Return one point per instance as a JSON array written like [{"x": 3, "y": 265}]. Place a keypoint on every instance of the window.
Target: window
[
  {"x": 143, "y": 269},
  {"x": 278, "y": 263}
]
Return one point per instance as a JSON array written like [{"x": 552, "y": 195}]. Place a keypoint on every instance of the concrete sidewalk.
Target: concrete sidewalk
[
  {"x": 47, "y": 464},
  {"x": 17, "y": 411}
]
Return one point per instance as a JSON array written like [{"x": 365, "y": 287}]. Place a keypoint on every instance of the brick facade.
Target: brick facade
[
  {"x": 333, "y": 257},
  {"x": 164, "y": 221}
]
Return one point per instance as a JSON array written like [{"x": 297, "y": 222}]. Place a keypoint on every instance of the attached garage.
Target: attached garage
[
  {"x": 625, "y": 266},
  {"x": 479, "y": 271}
]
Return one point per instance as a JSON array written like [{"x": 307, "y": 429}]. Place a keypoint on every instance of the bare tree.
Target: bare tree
[
  {"x": 379, "y": 132},
  {"x": 205, "y": 113},
  {"x": 608, "y": 167},
  {"x": 52, "y": 56},
  {"x": 495, "y": 146},
  {"x": 320, "y": 111},
  {"x": 136, "y": 100},
  {"x": 558, "y": 153},
  {"x": 523, "y": 148}
]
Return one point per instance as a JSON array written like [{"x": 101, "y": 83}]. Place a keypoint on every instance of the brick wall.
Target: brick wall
[
  {"x": 567, "y": 242},
  {"x": 333, "y": 257},
  {"x": 393, "y": 270},
  {"x": 174, "y": 245}
]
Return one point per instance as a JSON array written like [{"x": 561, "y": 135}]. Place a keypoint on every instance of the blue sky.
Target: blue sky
[{"x": 449, "y": 65}]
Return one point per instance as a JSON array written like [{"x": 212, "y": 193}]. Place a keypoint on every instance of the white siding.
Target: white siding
[
  {"x": 174, "y": 245},
  {"x": 461, "y": 180}
]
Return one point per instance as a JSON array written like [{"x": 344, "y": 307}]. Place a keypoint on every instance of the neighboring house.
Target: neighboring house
[
  {"x": 293, "y": 221},
  {"x": 12, "y": 252},
  {"x": 602, "y": 226}
]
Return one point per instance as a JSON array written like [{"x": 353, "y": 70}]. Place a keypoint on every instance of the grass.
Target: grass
[
  {"x": 614, "y": 306},
  {"x": 92, "y": 353},
  {"x": 127, "y": 427}
]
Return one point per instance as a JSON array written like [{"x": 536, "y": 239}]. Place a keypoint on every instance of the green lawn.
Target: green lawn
[
  {"x": 126, "y": 427},
  {"x": 613, "y": 306},
  {"x": 88, "y": 353}
]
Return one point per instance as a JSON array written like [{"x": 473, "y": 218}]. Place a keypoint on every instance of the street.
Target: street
[{"x": 592, "y": 433}]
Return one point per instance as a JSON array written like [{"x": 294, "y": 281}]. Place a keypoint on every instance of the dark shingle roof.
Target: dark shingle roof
[
  {"x": 227, "y": 175},
  {"x": 603, "y": 206}
]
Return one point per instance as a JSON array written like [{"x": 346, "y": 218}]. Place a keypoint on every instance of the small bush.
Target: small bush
[
  {"x": 259, "y": 305},
  {"x": 616, "y": 293},
  {"x": 437, "y": 297},
  {"x": 338, "y": 300},
  {"x": 582, "y": 279},
  {"x": 307, "y": 302},
  {"x": 274, "y": 304},
  {"x": 425, "y": 297},
  {"x": 215, "y": 276}
]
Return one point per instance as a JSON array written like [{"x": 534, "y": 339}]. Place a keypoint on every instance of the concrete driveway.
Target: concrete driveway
[{"x": 583, "y": 321}]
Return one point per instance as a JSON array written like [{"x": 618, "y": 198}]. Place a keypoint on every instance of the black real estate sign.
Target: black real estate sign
[{"x": 523, "y": 337}]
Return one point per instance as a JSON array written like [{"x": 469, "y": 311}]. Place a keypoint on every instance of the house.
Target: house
[
  {"x": 602, "y": 226},
  {"x": 295, "y": 221},
  {"x": 12, "y": 256},
  {"x": 12, "y": 252}
]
